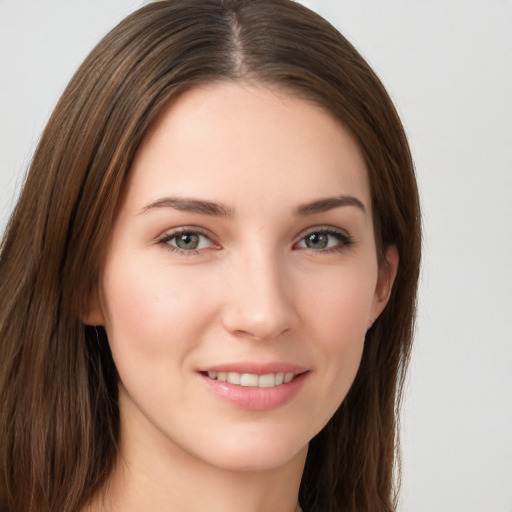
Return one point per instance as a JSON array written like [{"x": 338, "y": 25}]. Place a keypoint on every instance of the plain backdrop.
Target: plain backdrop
[{"x": 448, "y": 66}]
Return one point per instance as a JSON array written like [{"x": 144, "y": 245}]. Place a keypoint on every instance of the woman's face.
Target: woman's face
[{"x": 243, "y": 250}]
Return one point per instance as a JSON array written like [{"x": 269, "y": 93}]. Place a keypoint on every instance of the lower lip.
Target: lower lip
[{"x": 254, "y": 398}]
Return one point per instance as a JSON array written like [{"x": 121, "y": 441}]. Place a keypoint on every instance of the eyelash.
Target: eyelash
[
  {"x": 344, "y": 240},
  {"x": 164, "y": 241}
]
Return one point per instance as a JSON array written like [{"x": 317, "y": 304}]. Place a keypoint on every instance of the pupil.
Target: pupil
[
  {"x": 316, "y": 241},
  {"x": 187, "y": 241}
]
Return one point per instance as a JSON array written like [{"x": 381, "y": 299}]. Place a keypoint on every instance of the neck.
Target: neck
[
  {"x": 215, "y": 491},
  {"x": 153, "y": 474}
]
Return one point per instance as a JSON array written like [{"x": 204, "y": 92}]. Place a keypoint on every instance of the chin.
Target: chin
[
  {"x": 254, "y": 450},
  {"x": 260, "y": 459}
]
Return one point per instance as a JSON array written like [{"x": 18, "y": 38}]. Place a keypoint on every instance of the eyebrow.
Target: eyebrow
[
  {"x": 205, "y": 207},
  {"x": 185, "y": 204},
  {"x": 329, "y": 203}
]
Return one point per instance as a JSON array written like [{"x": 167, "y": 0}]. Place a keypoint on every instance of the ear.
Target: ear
[
  {"x": 385, "y": 280},
  {"x": 94, "y": 314}
]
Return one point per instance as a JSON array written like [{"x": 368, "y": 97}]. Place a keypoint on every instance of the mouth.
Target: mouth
[
  {"x": 253, "y": 380},
  {"x": 252, "y": 386}
]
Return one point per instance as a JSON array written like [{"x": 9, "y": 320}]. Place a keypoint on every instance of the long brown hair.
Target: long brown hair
[{"x": 59, "y": 417}]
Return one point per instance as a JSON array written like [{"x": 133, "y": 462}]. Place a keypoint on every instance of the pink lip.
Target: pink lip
[
  {"x": 254, "y": 398},
  {"x": 256, "y": 368}
]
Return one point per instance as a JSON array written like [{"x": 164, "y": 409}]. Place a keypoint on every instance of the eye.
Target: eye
[
  {"x": 325, "y": 240},
  {"x": 186, "y": 241}
]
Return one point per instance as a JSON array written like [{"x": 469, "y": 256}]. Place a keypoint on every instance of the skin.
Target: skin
[{"x": 252, "y": 291}]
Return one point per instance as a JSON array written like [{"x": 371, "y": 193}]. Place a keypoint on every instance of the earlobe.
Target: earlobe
[{"x": 386, "y": 278}]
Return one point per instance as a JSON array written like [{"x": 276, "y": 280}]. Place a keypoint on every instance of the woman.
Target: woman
[{"x": 208, "y": 284}]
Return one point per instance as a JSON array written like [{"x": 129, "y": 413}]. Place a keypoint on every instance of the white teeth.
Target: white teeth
[
  {"x": 249, "y": 379},
  {"x": 268, "y": 380},
  {"x": 234, "y": 378}
]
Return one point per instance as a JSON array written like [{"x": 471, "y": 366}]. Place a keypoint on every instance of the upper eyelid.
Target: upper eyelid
[
  {"x": 172, "y": 232},
  {"x": 322, "y": 229},
  {"x": 344, "y": 238},
  {"x": 167, "y": 236}
]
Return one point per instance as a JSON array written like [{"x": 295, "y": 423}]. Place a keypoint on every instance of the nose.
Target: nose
[{"x": 259, "y": 298}]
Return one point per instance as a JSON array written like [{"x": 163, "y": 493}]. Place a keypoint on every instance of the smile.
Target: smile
[
  {"x": 265, "y": 389},
  {"x": 268, "y": 380}
]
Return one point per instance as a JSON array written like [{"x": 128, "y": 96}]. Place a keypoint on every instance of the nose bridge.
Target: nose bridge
[{"x": 260, "y": 304}]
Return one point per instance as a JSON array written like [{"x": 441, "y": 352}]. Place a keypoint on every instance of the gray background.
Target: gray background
[{"x": 448, "y": 66}]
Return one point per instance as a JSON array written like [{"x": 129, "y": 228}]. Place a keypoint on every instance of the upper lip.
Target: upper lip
[{"x": 255, "y": 368}]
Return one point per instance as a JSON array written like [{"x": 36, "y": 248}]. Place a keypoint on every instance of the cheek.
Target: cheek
[
  {"x": 154, "y": 322},
  {"x": 340, "y": 304},
  {"x": 340, "y": 325},
  {"x": 149, "y": 310},
  {"x": 338, "y": 316}
]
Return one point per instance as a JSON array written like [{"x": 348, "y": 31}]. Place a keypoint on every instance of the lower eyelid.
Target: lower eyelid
[
  {"x": 342, "y": 241},
  {"x": 166, "y": 238}
]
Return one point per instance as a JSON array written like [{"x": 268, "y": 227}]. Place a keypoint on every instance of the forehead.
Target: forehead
[{"x": 230, "y": 142}]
